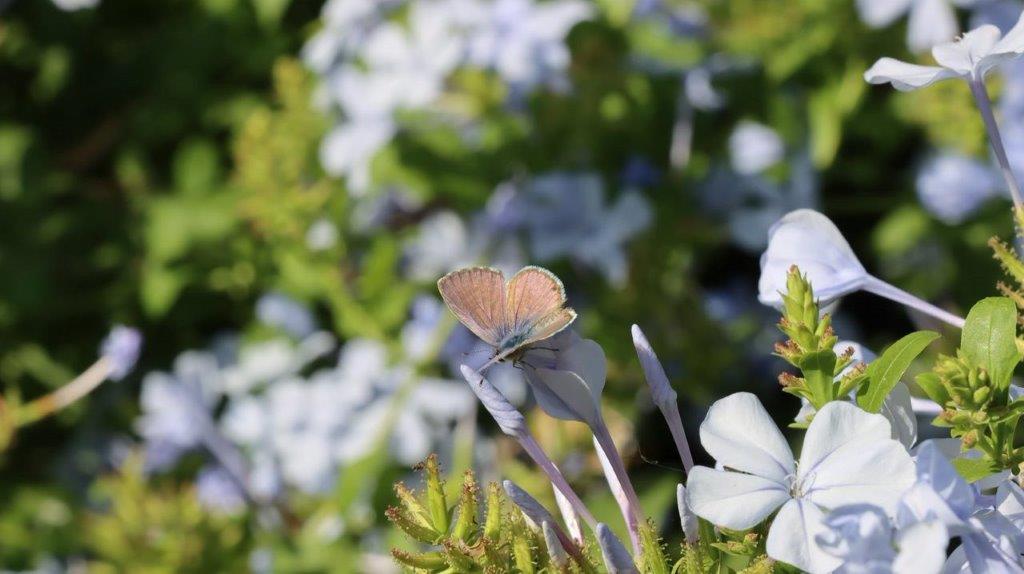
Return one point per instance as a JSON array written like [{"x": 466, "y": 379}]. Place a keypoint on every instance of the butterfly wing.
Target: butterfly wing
[
  {"x": 477, "y": 297},
  {"x": 536, "y": 306}
]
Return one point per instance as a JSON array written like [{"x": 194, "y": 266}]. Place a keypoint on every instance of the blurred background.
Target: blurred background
[{"x": 269, "y": 189}]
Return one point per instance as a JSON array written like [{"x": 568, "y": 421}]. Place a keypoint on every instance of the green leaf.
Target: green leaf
[
  {"x": 974, "y": 469},
  {"x": 989, "y": 339},
  {"x": 887, "y": 370},
  {"x": 932, "y": 386}
]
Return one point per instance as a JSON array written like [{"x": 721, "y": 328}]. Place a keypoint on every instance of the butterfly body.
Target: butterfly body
[{"x": 508, "y": 316}]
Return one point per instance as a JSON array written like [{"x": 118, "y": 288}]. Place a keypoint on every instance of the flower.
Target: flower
[
  {"x": 969, "y": 57},
  {"x": 989, "y": 540},
  {"x": 568, "y": 381},
  {"x": 953, "y": 186},
  {"x": 751, "y": 204},
  {"x": 121, "y": 349},
  {"x": 847, "y": 458},
  {"x": 813, "y": 243},
  {"x": 281, "y": 311},
  {"x": 754, "y": 147},
  {"x": 565, "y": 215},
  {"x": 931, "y": 21},
  {"x": 616, "y": 558},
  {"x": 524, "y": 41},
  {"x": 863, "y": 537}
]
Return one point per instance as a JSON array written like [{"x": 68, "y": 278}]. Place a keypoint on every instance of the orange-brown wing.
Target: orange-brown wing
[
  {"x": 477, "y": 297},
  {"x": 535, "y": 301}
]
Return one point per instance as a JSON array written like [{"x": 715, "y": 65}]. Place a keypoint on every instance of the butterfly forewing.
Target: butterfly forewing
[
  {"x": 535, "y": 303},
  {"x": 477, "y": 297}
]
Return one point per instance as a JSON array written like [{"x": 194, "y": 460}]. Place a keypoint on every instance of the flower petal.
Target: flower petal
[
  {"x": 930, "y": 22},
  {"x": 905, "y": 77},
  {"x": 564, "y": 395},
  {"x": 1013, "y": 41},
  {"x": 740, "y": 434},
  {"x": 898, "y": 410},
  {"x": 881, "y": 13},
  {"x": 791, "y": 537},
  {"x": 811, "y": 241},
  {"x": 837, "y": 424},
  {"x": 732, "y": 499},
  {"x": 964, "y": 55},
  {"x": 849, "y": 458},
  {"x": 922, "y": 548}
]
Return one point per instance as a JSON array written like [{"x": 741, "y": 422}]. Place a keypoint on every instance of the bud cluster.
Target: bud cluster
[{"x": 809, "y": 347}]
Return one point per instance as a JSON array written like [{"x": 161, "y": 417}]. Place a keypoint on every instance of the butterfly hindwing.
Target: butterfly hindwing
[
  {"x": 477, "y": 297},
  {"x": 535, "y": 300}
]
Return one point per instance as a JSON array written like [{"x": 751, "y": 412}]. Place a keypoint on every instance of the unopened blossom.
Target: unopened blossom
[
  {"x": 121, "y": 349},
  {"x": 969, "y": 57},
  {"x": 810, "y": 241},
  {"x": 616, "y": 558},
  {"x": 848, "y": 457}
]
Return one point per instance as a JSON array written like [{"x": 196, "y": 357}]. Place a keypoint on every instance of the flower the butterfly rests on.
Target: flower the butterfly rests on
[{"x": 508, "y": 316}]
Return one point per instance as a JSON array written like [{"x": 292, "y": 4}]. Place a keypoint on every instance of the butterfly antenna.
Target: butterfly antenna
[{"x": 653, "y": 462}]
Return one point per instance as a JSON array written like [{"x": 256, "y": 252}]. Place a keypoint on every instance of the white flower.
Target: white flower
[
  {"x": 930, "y": 22},
  {"x": 811, "y": 241},
  {"x": 847, "y": 458},
  {"x": 969, "y": 57}
]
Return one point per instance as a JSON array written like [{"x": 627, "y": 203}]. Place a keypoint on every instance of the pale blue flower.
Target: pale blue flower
[
  {"x": 281, "y": 311},
  {"x": 989, "y": 541},
  {"x": 864, "y": 539},
  {"x": 952, "y": 187},
  {"x": 930, "y": 22},
  {"x": 218, "y": 490},
  {"x": 176, "y": 407},
  {"x": 523, "y": 41}
]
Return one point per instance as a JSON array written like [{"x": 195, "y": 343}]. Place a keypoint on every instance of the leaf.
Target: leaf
[
  {"x": 989, "y": 339},
  {"x": 932, "y": 386},
  {"x": 887, "y": 370},
  {"x": 974, "y": 469}
]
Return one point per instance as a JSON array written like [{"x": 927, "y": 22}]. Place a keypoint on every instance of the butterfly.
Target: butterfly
[{"x": 510, "y": 315}]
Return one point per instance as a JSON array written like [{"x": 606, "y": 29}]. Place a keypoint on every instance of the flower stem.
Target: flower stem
[
  {"x": 893, "y": 293},
  {"x": 996, "y": 140},
  {"x": 538, "y": 455},
  {"x": 80, "y": 386},
  {"x": 625, "y": 495}
]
